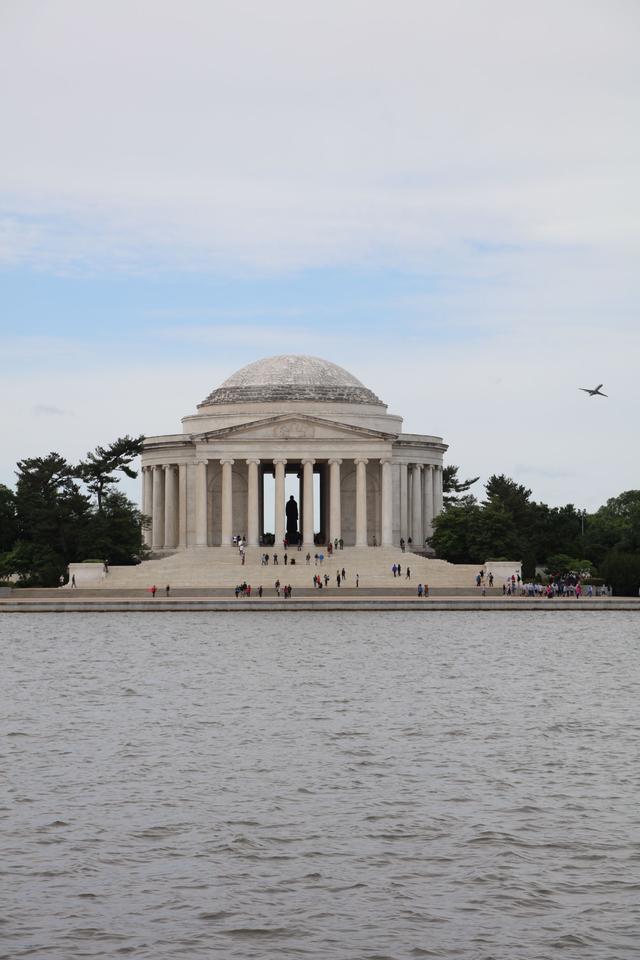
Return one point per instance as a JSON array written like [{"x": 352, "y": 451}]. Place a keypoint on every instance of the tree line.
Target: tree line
[
  {"x": 508, "y": 524},
  {"x": 61, "y": 513}
]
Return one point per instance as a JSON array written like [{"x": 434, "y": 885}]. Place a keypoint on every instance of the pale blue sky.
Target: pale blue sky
[{"x": 443, "y": 198}]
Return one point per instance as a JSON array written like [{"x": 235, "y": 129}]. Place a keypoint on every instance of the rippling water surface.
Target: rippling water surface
[{"x": 320, "y": 786}]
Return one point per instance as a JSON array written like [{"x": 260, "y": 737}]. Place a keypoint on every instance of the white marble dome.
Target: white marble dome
[{"x": 292, "y": 377}]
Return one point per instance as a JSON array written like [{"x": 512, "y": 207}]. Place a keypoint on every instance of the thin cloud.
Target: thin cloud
[{"x": 47, "y": 410}]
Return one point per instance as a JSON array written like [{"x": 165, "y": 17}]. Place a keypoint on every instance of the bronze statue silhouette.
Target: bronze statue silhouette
[{"x": 291, "y": 510}]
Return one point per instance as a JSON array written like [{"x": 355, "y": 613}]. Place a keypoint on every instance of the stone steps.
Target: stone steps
[{"x": 221, "y": 567}]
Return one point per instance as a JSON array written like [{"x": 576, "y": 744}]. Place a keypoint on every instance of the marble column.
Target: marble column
[
  {"x": 147, "y": 502},
  {"x": 201, "y": 504},
  {"x": 307, "y": 503},
  {"x": 416, "y": 513},
  {"x": 158, "y": 508},
  {"x": 404, "y": 512},
  {"x": 182, "y": 505},
  {"x": 227, "y": 502},
  {"x": 170, "y": 506},
  {"x": 335, "y": 500},
  {"x": 253, "y": 508},
  {"x": 386, "y": 503},
  {"x": 437, "y": 491},
  {"x": 428, "y": 500},
  {"x": 361, "y": 501},
  {"x": 280, "y": 528}
]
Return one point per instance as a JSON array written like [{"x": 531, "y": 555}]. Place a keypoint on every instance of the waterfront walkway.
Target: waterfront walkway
[{"x": 211, "y": 601}]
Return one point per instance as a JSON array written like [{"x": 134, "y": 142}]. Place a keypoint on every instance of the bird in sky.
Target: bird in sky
[{"x": 596, "y": 392}]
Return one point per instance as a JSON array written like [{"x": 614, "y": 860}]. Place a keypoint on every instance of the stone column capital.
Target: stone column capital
[
  {"x": 307, "y": 460},
  {"x": 282, "y": 460},
  {"x": 386, "y": 460},
  {"x": 169, "y": 466},
  {"x": 228, "y": 460},
  {"x": 334, "y": 460},
  {"x": 364, "y": 460},
  {"x": 201, "y": 462},
  {"x": 255, "y": 460},
  {"x": 418, "y": 466}
]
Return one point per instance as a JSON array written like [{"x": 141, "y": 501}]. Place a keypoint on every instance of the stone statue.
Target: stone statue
[{"x": 292, "y": 520}]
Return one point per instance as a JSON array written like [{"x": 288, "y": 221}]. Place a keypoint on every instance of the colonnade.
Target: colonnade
[
  {"x": 423, "y": 499},
  {"x": 165, "y": 500}
]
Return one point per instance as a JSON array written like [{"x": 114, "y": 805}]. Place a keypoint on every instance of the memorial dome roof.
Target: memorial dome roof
[{"x": 291, "y": 377}]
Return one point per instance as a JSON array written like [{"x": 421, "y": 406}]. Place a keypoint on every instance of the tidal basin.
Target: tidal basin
[{"x": 351, "y": 786}]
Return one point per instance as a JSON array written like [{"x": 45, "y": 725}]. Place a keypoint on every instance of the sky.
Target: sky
[{"x": 441, "y": 197}]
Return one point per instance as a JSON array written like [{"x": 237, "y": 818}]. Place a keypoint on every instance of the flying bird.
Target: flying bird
[{"x": 597, "y": 392}]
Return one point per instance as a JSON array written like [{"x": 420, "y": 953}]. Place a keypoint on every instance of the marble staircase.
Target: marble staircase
[{"x": 222, "y": 567}]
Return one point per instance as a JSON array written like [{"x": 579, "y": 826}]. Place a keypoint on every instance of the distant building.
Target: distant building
[{"x": 291, "y": 415}]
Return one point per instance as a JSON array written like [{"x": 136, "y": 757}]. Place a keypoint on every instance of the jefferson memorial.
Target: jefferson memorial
[{"x": 299, "y": 416}]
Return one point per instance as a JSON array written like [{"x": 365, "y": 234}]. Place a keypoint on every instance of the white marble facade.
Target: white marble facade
[{"x": 291, "y": 415}]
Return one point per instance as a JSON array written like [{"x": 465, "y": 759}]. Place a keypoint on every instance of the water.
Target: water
[{"x": 320, "y": 786}]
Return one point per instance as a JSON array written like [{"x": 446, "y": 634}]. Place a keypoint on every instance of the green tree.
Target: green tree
[
  {"x": 452, "y": 485},
  {"x": 621, "y": 570},
  {"x": 8, "y": 519},
  {"x": 454, "y": 528},
  {"x": 615, "y": 526},
  {"x": 114, "y": 533},
  {"x": 51, "y": 514},
  {"x": 98, "y": 471},
  {"x": 495, "y": 535}
]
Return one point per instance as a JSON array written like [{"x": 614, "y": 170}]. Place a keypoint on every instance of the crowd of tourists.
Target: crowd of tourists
[
  {"x": 246, "y": 590},
  {"x": 567, "y": 586},
  {"x": 320, "y": 582}
]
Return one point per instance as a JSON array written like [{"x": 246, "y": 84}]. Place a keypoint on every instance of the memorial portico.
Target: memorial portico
[{"x": 291, "y": 418}]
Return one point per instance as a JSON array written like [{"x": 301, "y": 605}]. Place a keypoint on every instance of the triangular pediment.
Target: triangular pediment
[{"x": 293, "y": 427}]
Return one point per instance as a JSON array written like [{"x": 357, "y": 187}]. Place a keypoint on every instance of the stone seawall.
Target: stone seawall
[{"x": 315, "y": 604}]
